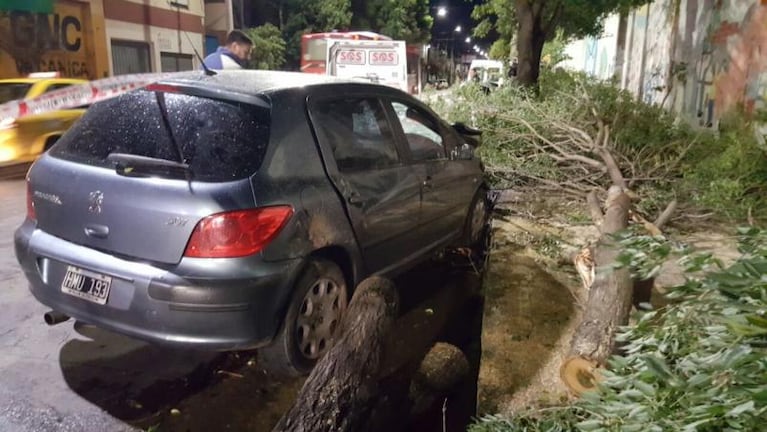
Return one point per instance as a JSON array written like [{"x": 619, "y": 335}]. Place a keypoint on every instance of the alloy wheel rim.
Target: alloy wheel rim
[{"x": 319, "y": 317}]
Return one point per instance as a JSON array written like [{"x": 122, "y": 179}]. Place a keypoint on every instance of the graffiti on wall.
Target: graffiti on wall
[{"x": 729, "y": 70}]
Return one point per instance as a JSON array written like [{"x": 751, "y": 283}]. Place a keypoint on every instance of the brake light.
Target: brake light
[
  {"x": 236, "y": 233},
  {"x": 31, "y": 214},
  {"x": 164, "y": 88}
]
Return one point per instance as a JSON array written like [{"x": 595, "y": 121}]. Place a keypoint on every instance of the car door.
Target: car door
[
  {"x": 380, "y": 192},
  {"x": 447, "y": 185}
]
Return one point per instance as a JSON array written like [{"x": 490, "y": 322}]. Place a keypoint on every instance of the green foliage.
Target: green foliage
[
  {"x": 407, "y": 20},
  {"x": 268, "y": 47},
  {"x": 721, "y": 173},
  {"x": 554, "y": 50},
  {"x": 310, "y": 16},
  {"x": 700, "y": 364}
]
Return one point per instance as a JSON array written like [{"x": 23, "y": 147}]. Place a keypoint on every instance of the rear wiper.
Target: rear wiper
[
  {"x": 160, "y": 96},
  {"x": 141, "y": 166}
]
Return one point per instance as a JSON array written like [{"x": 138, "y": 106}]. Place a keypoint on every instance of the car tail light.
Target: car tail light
[
  {"x": 31, "y": 215},
  {"x": 164, "y": 88},
  {"x": 236, "y": 233}
]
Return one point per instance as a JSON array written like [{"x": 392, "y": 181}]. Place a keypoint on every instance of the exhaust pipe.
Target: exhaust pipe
[{"x": 54, "y": 317}]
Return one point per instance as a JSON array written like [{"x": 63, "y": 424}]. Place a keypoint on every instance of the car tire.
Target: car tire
[
  {"x": 319, "y": 299},
  {"x": 476, "y": 219}
]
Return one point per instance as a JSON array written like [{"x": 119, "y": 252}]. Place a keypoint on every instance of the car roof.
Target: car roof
[{"x": 258, "y": 82}]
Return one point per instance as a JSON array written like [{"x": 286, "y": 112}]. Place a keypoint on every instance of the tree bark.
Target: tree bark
[
  {"x": 608, "y": 305},
  {"x": 341, "y": 392},
  {"x": 530, "y": 39}
]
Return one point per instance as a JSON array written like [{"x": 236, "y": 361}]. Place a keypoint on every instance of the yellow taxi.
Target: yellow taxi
[{"x": 24, "y": 139}]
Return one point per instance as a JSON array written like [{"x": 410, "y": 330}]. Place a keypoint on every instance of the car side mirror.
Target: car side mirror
[{"x": 472, "y": 135}]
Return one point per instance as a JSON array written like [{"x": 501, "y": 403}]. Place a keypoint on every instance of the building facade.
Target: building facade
[
  {"x": 154, "y": 35},
  {"x": 97, "y": 38}
]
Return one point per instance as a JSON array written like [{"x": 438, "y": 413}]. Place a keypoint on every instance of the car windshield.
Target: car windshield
[
  {"x": 219, "y": 140},
  {"x": 13, "y": 91}
]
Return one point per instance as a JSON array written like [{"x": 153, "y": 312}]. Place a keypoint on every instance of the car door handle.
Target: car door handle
[
  {"x": 355, "y": 199},
  {"x": 97, "y": 231}
]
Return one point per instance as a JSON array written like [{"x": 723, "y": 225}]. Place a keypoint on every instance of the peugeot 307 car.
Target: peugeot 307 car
[{"x": 239, "y": 210}]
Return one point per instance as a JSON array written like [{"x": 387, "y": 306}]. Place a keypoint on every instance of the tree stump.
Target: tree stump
[
  {"x": 340, "y": 394},
  {"x": 608, "y": 304}
]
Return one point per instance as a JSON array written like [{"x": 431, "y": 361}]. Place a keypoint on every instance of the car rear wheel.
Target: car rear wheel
[
  {"x": 476, "y": 218},
  {"x": 319, "y": 300}
]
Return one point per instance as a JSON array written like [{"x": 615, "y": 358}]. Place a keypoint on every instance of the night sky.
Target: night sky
[{"x": 458, "y": 13}]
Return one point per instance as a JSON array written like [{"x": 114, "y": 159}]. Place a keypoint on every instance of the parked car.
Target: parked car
[
  {"x": 239, "y": 210},
  {"x": 23, "y": 140}
]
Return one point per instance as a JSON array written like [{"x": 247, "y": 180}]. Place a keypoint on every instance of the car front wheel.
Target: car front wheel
[
  {"x": 476, "y": 219},
  {"x": 320, "y": 297}
]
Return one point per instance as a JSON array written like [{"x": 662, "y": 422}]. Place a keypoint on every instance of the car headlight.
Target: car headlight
[
  {"x": 8, "y": 123},
  {"x": 7, "y": 154}
]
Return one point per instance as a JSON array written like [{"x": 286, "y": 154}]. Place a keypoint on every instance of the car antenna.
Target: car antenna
[{"x": 208, "y": 71}]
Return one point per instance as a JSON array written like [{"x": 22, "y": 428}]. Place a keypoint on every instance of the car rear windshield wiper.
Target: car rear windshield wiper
[
  {"x": 160, "y": 96},
  {"x": 130, "y": 165}
]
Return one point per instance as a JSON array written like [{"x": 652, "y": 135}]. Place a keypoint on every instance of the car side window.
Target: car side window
[
  {"x": 358, "y": 133},
  {"x": 54, "y": 87},
  {"x": 421, "y": 133}
]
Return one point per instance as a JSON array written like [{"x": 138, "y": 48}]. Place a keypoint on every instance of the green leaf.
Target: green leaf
[
  {"x": 740, "y": 409},
  {"x": 589, "y": 425}
]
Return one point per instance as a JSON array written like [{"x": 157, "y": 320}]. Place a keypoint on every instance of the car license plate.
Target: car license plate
[{"x": 87, "y": 285}]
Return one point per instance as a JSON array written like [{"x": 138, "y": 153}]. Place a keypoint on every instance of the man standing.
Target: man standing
[{"x": 234, "y": 55}]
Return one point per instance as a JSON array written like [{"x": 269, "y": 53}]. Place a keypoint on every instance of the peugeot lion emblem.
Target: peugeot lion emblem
[{"x": 95, "y": 199}]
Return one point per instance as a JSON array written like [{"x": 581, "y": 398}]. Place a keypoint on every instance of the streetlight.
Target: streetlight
[
  {"x": 458, "y": 29},
  {"x": 468, "y": 40},
  {"x": 442, "y": 12}
]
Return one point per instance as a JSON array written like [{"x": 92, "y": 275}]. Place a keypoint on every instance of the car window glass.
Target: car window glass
[
  {"x": 358, "y": 133},
  {"x": 54, "y": 87},
  {"x": 13, "y": 91},
  {"x": 220, "y": 140},
  {"x": 420, "y": 132}
]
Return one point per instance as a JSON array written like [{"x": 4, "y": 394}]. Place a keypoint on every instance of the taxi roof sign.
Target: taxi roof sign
[{"x": 44, "y": 74}]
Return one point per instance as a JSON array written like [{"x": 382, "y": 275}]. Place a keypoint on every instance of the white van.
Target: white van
[{"x": 487, "y": 71}]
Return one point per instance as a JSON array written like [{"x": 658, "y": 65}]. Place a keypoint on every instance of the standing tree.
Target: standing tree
[
  {"x": 297, "y": 17},
  {"x": 407, "y": 20},
  {"x": 268, "y": 47},
  {"x": 537, "y": 21}
]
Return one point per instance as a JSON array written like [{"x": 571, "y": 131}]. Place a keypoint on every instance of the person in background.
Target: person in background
[
  {"x": 513, "y": 66},
  {"x": 234, "y": 55}
]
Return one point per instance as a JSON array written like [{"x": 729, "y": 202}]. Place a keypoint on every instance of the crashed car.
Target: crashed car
[{"x": 240, "y": 210}]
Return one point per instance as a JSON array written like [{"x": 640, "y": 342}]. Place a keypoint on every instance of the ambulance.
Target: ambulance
[{"x": 378, "y": 61}]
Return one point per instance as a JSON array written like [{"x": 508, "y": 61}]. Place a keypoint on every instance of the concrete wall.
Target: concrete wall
[
  {"x": 596, "y": 56},
  {"x": 697, "y": 57}
]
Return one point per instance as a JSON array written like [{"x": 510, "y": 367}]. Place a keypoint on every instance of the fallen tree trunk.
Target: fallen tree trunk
[
  {"x": 341, "y": 392},
  {"x": 608, "y": 304}
]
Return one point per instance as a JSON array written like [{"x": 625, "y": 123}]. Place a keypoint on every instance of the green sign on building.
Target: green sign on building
[{"x": 36, "y": 6}]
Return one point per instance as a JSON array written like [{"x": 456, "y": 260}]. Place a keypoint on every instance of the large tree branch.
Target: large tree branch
[{"x": 551, "y": 23}]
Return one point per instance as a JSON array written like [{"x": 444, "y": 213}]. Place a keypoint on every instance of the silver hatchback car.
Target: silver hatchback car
[{"x": 239, "y": 210}]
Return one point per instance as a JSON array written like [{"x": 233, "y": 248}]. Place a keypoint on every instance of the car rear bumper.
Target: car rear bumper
[{"x": 221, "y": 304}]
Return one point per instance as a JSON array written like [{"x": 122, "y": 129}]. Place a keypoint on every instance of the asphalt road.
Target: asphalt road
[{"x": 67, "y": 377}]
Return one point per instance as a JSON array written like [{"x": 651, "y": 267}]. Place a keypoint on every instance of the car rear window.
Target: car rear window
[{"x": 220, "y": 140}]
